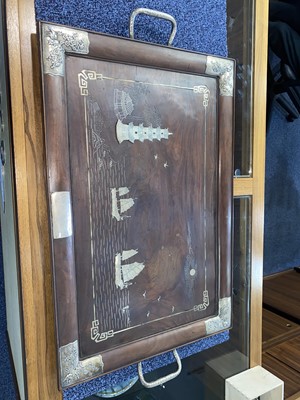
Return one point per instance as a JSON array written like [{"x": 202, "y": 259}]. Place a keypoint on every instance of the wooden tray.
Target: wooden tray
[{"x": 139, "y": 164}]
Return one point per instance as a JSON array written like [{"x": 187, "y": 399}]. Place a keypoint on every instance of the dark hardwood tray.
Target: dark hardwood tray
[{"x": 139, "y": 163}]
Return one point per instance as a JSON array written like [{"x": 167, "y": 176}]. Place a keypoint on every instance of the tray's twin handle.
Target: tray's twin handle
[
  {"x": 153, "y": 13},
  {"x": 164, "y": 379}
]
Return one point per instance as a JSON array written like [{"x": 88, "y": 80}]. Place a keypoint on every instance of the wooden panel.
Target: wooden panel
[
  {"x": 164, "y": 187},
  {"x": 277, "y": 329},
  {"x": 259, "y": 135},
  {"x": 255, "y": 185},
  {"x": 149, "y": 147},
  {"x": 290, "y": 377},
  {"x": 288, "y": 353},
  {"x": 282, "y": 337},
  {"x": 8, "y": 221},
  {"x": 242, "y": 187},
  {"x": 275, "y": 325},
  {"x": 281, "y": 293},
  {"x": 33, "y": 227},
  {"x": 295, "y": 396}
]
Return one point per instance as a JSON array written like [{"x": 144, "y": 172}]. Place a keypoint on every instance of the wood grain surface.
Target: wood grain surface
[
  {"x": 173, "y": 219},
  {"x": 281, "y": 293},
  {"x": 281, "y": 346},
  {"x": 288, "y": 352},
  {"x": 277, "y": 329},
  {"x": 33, "y": 226},
  {"x": 284, "y": 372},
  {"x": 177, "y": 228},
  {"x": 295, "y": 396},
  {"x": 258, "y": 173}
]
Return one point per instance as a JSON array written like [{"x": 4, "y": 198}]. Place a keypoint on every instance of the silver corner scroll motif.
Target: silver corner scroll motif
[
  {"x": 223, "y": 320},
  {"x": 222, "y": 68},
  {"x": 56, "y": 41},
  {"x": 72, "y": 370}
]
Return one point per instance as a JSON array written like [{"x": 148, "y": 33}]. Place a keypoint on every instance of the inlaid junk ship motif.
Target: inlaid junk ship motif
[
  {"x": 120, "y": 205},
  {"x": 125, "y": 273},
  {"x": 140, "y": 132}
]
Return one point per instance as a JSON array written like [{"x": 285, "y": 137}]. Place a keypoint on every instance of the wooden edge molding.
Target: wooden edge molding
[
  {"x": 33, "y": 224},
  {"x": 259, "y": 139},
  {"x": 242, "y": 187}
]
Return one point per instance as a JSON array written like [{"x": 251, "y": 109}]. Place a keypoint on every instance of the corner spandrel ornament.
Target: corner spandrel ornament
[
  {"x": 72, "y": 370},
  {"x": 223, "y": 320},
  {"x": 222, "y": 68},
  {"x": 57, "y": 41}
]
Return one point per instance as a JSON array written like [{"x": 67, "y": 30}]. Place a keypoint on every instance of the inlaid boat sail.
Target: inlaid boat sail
[
  {"x": 125, "y": 273},
  {"x": 120, "y": 206}
]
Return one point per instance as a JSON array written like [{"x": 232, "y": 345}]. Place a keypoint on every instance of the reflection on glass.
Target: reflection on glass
[
  {"x": 239, "y": 36},
  {"x": 203, "y": 375}
]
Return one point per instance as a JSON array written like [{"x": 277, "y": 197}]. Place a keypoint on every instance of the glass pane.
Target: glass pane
[
  {"x": 203, "y": 375},
  {"x": 239, "y": 36}
]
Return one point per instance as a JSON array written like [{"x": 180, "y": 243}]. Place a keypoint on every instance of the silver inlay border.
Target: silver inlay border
[
  {"x": 223, "y": 320},
  {"x": 56, "y": 41},
  {"x": 72, "y": 370},
  {"x": 224, "y": 69}
]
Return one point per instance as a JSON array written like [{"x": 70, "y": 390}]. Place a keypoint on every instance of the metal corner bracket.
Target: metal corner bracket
[
  {"x": 224, "y": 69},
  {"x": 56, "y": 40},
  {"x": 222, "y": 320},
  {"x": 72, "y": 370}
]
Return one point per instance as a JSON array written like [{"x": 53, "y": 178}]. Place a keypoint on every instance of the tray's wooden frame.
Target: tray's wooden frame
[{"x": 57, "y": 42}]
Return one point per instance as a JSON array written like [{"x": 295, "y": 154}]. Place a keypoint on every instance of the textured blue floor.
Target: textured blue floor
[
  {"x": 201, "y": 24},
  {"x": 282, "y": 195}
]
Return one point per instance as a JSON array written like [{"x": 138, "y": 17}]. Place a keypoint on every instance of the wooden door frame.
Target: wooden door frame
[
  {"x": 32, "y": 213},
  {"x": 253, "y": 186}
]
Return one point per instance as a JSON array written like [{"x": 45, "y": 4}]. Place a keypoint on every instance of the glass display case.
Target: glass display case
[
  {"x": 240, "y": 30},
  {"x": 203, "y": 375}
]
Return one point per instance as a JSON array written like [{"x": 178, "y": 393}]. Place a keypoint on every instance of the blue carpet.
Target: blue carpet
[
  {"x": 200, "y": 28},
  {"x": 201, "y": 24},
  {"x": 282, "y": 195}
]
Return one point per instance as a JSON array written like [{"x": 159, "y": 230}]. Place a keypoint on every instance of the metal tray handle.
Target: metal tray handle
[
  {"x": 153, "y": 13},
  {"x": 164, "y": 379}
]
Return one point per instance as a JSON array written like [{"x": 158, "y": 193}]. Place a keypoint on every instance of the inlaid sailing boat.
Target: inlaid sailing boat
[
  {"x": 125, "y": 273},
  {"x": 120, "y": 205}
]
